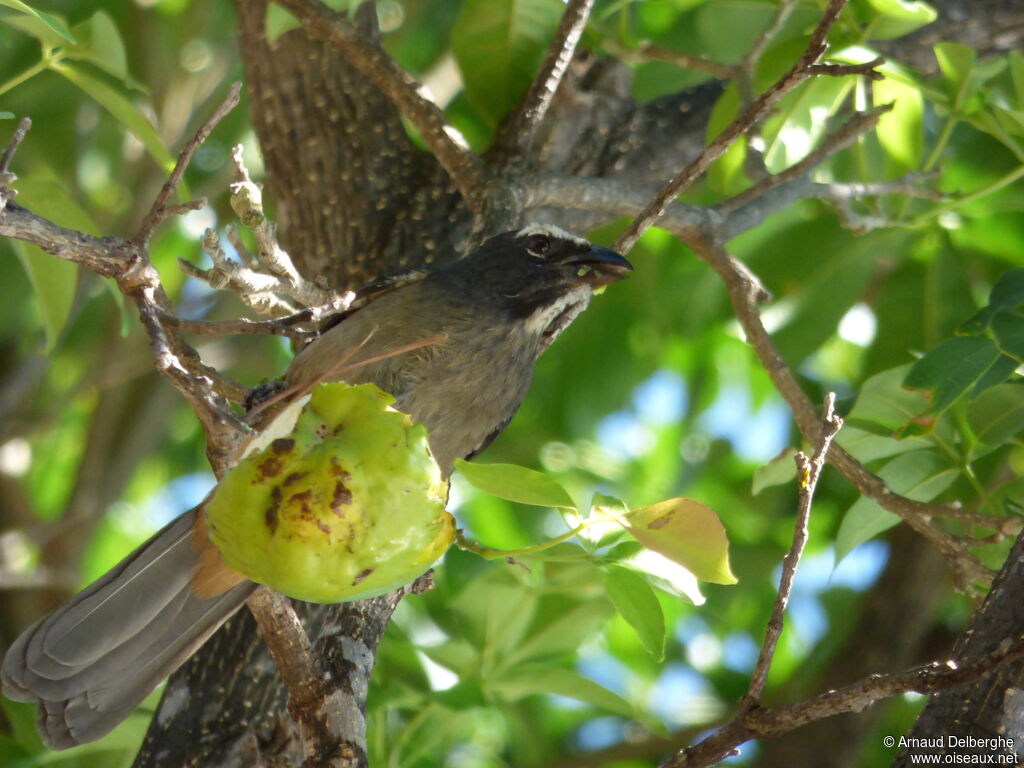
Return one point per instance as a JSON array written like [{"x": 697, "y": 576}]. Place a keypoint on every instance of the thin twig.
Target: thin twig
[
  {"x": 16, "y": 138},
  {"x": 867, "y": 69},
  {"x": 441, "y": 138},
  {"x": 240, "y": 326},
  {"x": 808, "y": 472},
  {"x": 745, "y": 294},
  {"x": 853, "y": 129},
  {"x": 757, "y": 109},
  {"x": 647, "y": 51},
  {"x": 766, "y": 35},
  {"x": 757, "y": 723},
  {"x": 160, "y": 209},
  {"x": 519, "y": 133}
]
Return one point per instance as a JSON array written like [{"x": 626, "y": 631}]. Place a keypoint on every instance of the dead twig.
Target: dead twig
[
  {"x": 160, "y": 210},
  {"x": 808, "y": 472}
]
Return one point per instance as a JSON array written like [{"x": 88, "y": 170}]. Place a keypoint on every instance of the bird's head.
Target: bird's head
[{"x": 539, "y": 275}]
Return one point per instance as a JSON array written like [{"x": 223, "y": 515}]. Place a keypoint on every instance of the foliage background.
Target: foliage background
[{"x": 653, "y": 392}]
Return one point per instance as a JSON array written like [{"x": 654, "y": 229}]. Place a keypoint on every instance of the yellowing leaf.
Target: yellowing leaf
[{"x": 686, "y": 532}]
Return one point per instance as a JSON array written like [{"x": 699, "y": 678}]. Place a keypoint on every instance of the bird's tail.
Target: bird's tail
[{"x": 93, "y": 660}]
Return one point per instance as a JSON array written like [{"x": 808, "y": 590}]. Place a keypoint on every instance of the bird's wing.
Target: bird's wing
[{"x": 374, "y": 290}]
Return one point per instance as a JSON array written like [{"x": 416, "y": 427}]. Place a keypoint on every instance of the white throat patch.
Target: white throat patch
[{"x": 561, "y": 313}]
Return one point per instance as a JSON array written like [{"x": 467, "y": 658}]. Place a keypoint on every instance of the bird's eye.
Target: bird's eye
[{"x": 538, "y": 245}]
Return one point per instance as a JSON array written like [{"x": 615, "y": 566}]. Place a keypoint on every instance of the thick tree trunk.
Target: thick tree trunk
[{"x": 992, "y": 707}]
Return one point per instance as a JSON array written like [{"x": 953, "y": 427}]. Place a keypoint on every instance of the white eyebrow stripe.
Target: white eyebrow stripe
[{"x": 551, "y": 231}]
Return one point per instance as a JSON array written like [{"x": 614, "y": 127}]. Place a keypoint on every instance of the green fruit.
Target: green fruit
[{"x": 350, "y": 505}]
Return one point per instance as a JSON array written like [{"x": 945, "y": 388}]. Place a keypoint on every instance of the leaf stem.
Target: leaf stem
[
  {"x": 490, "y": 553},
  {"x": 35, "y": 69},
  {"x": 995, "y": 186}
]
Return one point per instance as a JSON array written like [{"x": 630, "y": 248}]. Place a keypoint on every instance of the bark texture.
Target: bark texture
[{"x": 993, "y": 706}]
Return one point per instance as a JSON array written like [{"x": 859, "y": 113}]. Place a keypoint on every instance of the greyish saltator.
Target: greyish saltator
[{"x": 92, "y": 661}]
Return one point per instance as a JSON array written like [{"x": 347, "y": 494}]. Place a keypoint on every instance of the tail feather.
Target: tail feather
[{"x": 91, "y": 662}]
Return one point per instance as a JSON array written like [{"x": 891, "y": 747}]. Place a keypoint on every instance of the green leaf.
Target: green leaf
[
  {"x": 499, "y": 45},
  {"x": 867, "y": 446},
  {"x": 100, "y": 43},
  {"x": 686, "y": 532},
  {"x": 1001, "y": 370},
  {"x": 657, "y": 570},
  {"x": 823, "y": 300},
  {"x": 6, "y": 115},
  {"x": 278, "y": 22},
  {"x": 960, "y": 67},
  {"x": 531, "y": 679},
  {"x": 884, "y": 404},
  {"x": 1008, "y": 290},
  {"x": 779, "y": 470},
  {"x": 997, "y": 415},
  {"x": 558, "y": 627},
  {"x": 51, "y": 22},
  {"x": 901, "y": 130},
  {"x": 53, "y": 281},
  {"x": 862, "y": 522},
  {"x": 1008, "y": 499},
  {"x": 726, "y": 175},
  {"x": 919, "y": 475},
  {"x": 899, "y": 17},
  {"x": 956, "y": 61},
  {"x": 799, "y": 120},
  {"x": 636, "y": 602},
  {"x": 121, "y": 107},
  {"x": 508, "y": 481},
  {"x": 53, "y": 278},
  {"x": 951, "y": 368},
  {"x": 1008, "y": 330}
]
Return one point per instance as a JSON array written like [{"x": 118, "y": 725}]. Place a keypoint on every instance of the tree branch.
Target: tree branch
[
  {"x": 851, "y": 130},
  {"x": 745, "y": 294},
  {"x": 441, "y": 138},
  {"x": 160, "y": 209},
  {"x": 799, "y": 72},
  {"x": 768, "y": 723},
  {"x": 128, "y": 263},
  {"x": 518, "y": 134},
  {"x": 331, "y": 736},
  {"x": 808, "y": 472}
]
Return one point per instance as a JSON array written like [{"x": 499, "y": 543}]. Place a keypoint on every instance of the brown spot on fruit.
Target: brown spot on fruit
[
  {"x": 282, "y": 445},
  {"x": 270, "y": 516},
  {"x": 269, "y": 467},
  {"x": 294, "y": 477},
  {"x": 323, "y": 527},
  {"x": 272, "y": 465},
  {"x": 301, "y": 502},
  {"x": 342, "y": 497},
  {"x": 362, "y": 575}
]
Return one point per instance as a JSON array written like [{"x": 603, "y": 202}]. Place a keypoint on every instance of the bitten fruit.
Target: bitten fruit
[{"x": 350, "y": 505}]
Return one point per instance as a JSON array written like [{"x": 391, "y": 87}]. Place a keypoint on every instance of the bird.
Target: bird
[{"x": 455, "y": 344}]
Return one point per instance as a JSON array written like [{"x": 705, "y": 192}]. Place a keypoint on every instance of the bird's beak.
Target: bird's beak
[{"x": 599, "y": 266}]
